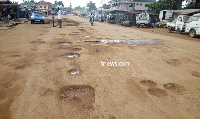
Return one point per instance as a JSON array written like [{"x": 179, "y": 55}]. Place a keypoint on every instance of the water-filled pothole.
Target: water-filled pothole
[
  {"x": 64, "y": 43},
  {"x": 92, "y": 42},
  {"x": 174, "y": 87},
  {"x": 79, "y": 96},
  {"x": 157, "y": 92},
  {"x": 148, "y": 83},
  {"x": 70, "y": 55},
  {"x": 74, "y": 72},
  {"x": 129, "y": 42}
]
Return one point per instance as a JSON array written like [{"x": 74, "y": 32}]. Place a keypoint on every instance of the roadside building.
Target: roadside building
[
  {"x": 45, "y": 7},
  {"x": 8, "y": 11},
  {"x": 29, "y": 5},
  {"x": 131, "y": 5}
]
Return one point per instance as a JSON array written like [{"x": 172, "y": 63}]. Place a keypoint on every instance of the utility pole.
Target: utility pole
[{"x": 169, "y": 3}]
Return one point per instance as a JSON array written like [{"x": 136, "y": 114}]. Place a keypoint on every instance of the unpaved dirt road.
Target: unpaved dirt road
[{"x": 52, "y": 73}]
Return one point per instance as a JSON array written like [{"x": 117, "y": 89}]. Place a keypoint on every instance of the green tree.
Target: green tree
[
  {"x": 91, "y": 6},
  {"x": 106, "y": 6},
  {"x": 59, "y": 3},
  {"x": 156, "y": 7},
  {"x": 15, "y": 3},
  {"x": 193, "y": 4}
]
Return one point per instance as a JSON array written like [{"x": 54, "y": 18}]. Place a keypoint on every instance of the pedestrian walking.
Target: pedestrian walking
[
  {"x": 52, "y": 13},
  {"x": 59, "y": 17}
]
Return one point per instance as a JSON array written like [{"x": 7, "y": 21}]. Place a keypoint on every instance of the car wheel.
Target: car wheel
[
  {"x": 178, "y": 31},
  {"x": 169, "y": 29},
  {"x": 31, "y": 22},
  {"x": 192, "y": 33}
]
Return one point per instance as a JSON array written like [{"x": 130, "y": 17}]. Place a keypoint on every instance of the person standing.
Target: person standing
[
  {"x": 59, "y": 17},
  {"x": 52, "y": 13}
]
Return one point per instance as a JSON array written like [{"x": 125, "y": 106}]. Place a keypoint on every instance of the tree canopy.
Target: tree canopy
[
  {"x": 156, "y": 7},
  {"x": 193, "y": 4},
  {"x": 91, "y": 6},
  {"x": 59, "y": 3},
  {"x": 106, "y": 6}
]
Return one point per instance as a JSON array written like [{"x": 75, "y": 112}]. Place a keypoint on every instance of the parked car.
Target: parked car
[
  {"x": 143, "y": 20},
  {"x": 193, "y": 25},
  {"x": 37, "y": 17},
  {"x": 163, "y": 24},
  {"x": 181, "y": 23},
  {"x": 171, "y": 25}
]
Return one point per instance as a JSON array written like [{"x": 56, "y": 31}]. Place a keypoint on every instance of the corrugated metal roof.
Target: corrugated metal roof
[{"x": 186, "y": 11}]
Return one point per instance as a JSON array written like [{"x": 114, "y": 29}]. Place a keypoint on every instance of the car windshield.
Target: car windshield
[
  {"x": 194, "y": 18},
  {"x": 38, "y": 14}
]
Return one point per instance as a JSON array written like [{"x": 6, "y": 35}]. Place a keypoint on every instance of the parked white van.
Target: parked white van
[{"x": 193, "y": 25}]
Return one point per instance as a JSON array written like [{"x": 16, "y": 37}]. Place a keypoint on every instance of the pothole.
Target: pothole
[
  {"x": 92, "y": 42},
  {"x": 74, "y": 34},
  {"x": 79, "y": 96},
  {"x": 74, "y": 72},
  {"x": 62, "y": 34},
  {"x": 73, "y": 49},
  {"x": 38, "y": 42},
  {"x": 174, "y": 62},
  {"x": 157, "y": 92},
  {"x": 174, "y": 87},
  {"x": 70, "y": 55},
  {"x": 64, "y": 43},
  {"x": 128, "y": 42},
  {"x": 7, "y": 85},
  {"x": 14, "y": 56},
  {"x": 20, "y": 67},
  {"x": 148, "y": 83},
  {"x": 196, "y": 74},
  {"x": 2, "y": 95},
  {"x": 46, "y": 27},
  {"x": 82, "y": 30}
]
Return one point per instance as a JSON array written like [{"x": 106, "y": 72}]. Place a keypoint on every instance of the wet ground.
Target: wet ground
[{"x": 52, "y": 73}]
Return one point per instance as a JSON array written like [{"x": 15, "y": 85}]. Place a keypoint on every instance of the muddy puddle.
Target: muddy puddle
[
  {"x": 64, "y": 43},
  {"x": 128, "y": 42},
  {"x": 74, "y": 72},
  {"x": 70, "y": 55}
]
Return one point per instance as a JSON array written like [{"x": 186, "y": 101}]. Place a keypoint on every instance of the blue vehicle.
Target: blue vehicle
[{"x": 37, "y": 17}]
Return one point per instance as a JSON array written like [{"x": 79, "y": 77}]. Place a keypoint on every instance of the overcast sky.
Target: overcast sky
[{"x": 75, "y": 3}]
